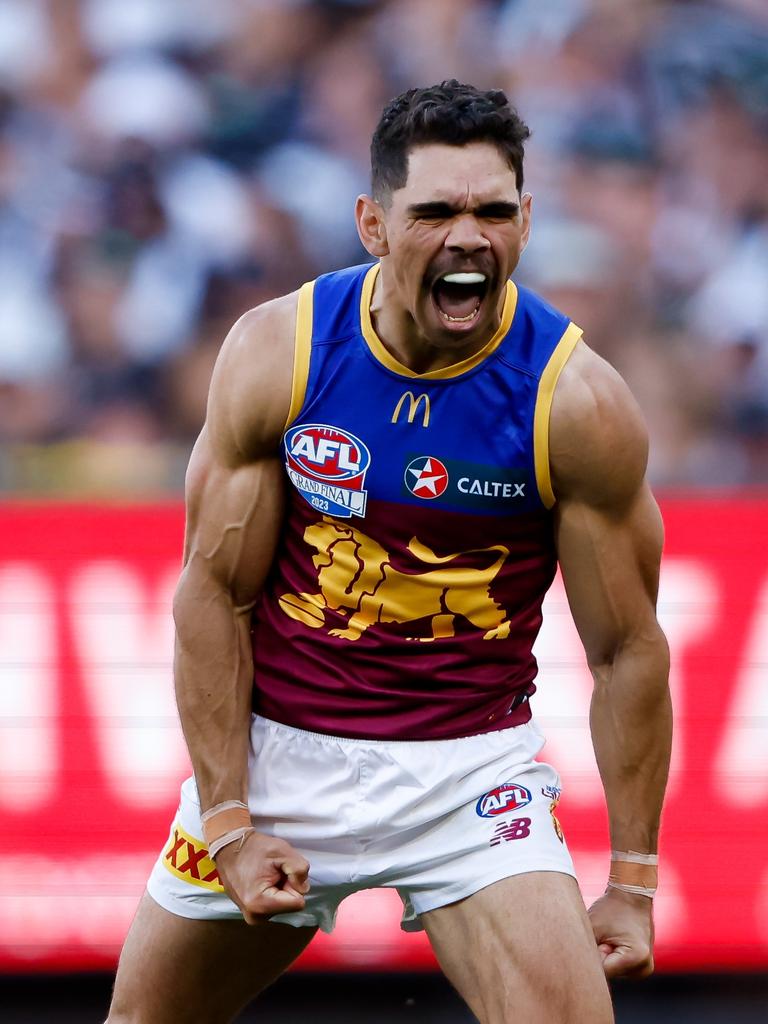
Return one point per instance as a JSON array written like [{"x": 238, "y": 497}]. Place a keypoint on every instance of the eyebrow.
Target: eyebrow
[{"x": 495, "y": 208}]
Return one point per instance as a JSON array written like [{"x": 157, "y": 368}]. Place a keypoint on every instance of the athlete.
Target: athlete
[{"x": 394, "y": 461}]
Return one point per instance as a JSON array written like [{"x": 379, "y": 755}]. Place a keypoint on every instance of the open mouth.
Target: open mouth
[{"x": 459, "y": 296}]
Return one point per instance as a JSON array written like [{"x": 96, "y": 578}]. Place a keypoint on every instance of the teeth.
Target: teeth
[
  {"x": 472, "y": 277},
  {"x": 459, "y": 319}
]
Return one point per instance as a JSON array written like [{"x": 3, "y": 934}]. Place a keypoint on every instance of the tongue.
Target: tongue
[{"x": 457, "y": 300}]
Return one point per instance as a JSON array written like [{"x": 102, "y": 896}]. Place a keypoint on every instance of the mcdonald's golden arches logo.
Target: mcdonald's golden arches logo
[{"x": 413, "y": 407}]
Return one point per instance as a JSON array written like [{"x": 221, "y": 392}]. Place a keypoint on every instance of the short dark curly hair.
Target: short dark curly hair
[{"x": 451, "y": 113}]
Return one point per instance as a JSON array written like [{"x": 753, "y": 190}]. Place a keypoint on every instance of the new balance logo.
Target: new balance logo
[{"x": 506, "y": 831}]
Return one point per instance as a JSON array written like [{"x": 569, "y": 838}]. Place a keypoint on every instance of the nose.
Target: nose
[{"x": 465, "y": 235}]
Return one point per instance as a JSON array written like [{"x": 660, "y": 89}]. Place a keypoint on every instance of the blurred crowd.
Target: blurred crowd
[{"x": 166, "y": 164}]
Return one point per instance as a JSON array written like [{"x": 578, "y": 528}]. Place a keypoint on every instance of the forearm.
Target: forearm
[
  {"x": 213, "y": 674},
  {"x": 631, "y": 722}
]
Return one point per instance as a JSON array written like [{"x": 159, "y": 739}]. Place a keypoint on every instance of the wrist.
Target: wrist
[
  {"x": 634, "y": 873},
  {"x": 633, "y": 900},
  {"x": 224, "y": 824}
]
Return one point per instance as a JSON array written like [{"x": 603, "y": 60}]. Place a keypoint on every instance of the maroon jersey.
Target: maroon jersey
[{"x": 406, "y": 592}]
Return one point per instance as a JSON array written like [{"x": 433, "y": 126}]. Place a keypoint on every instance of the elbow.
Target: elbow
[
  {"x": 183, "y": 598},
  {"x": 185, "y": 611},
  {"x": 202, "y": 601},
  {"x": 641, "y": 654},
  {"x": 195, "y": 595}
]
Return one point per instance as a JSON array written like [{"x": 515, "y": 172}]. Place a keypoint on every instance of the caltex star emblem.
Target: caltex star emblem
[{"x": 426, "y": 477}]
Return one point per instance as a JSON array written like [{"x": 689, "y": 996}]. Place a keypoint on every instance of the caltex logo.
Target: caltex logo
[{"x": 426, "y": 477}]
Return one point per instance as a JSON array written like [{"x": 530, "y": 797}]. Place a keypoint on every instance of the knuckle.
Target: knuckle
[
  {"x": 253, "y": 906},
  {"x": 250, "y": 912}
]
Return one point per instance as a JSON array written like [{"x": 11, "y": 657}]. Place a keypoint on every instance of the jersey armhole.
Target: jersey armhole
[
  {"x": 301, "y": 351},
  {"x": 543, "y": 409}
]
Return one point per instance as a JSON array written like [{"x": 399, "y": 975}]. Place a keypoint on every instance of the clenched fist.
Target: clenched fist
[
  {"x": 265, "y": 876},
  {"x": 623, "y": 927}
]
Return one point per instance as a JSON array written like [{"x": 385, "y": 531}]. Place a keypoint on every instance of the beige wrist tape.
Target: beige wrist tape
[
  {"x": 634, "y": 872},
  {"x": 632, "y": 857},
  {"x": 228, "y": 838},
  {"x": 223, "y": 818}
]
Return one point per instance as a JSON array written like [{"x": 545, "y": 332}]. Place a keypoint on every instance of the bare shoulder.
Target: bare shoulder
[
  {"x": 598, "y": 439},
  {"x": 250, "y": 392}
]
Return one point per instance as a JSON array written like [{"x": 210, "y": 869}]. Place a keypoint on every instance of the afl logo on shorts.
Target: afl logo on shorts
[
  {"x": 426, "y": 477},
  {"x": 509, "y": 796},
  {"x": 327, "y": 466}
]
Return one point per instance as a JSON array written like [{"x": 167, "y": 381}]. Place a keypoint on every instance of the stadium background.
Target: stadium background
[{"x": 166, "y": 164}]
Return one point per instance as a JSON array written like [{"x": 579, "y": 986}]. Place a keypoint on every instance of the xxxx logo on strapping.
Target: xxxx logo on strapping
[{"x": 187, "y": 858}]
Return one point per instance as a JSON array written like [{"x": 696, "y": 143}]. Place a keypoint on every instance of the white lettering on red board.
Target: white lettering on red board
[
  {"x": 687, "y": 605},
  {"x": 121, "y": 623},
  {"x": 742, "y": 760},
  {"x": 124, "y": 636},
  {"x": 29, "y": 719}
]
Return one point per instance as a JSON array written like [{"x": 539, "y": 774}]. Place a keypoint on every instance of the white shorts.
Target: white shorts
[{"x": 436, "y": 820}]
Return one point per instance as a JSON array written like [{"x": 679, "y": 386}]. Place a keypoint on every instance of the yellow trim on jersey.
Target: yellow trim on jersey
[
  {"x": 185, "y": 851},
  {"x": 387, "y": 359},
  {"x": 301, "y": 351},
  {"x": 541, "y": 414}
]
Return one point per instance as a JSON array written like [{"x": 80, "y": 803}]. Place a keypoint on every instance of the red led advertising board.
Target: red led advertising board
[{"x": 91, "y": 754}]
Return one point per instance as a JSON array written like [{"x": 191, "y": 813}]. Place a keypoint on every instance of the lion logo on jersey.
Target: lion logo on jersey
[{"x": 356, "y": 576}]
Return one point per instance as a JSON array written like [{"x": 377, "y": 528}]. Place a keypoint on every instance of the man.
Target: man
[{"x": 393, "y": 461}]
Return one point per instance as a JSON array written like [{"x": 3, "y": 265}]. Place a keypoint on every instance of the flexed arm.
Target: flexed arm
[
  {"x": 609, "y": 538},
  {"x": 235, "y": 499}
]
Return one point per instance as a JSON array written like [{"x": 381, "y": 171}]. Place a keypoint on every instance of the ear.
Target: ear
[
  {"x": 369, "y": 217},
  {"x": 526, "y": 205}
]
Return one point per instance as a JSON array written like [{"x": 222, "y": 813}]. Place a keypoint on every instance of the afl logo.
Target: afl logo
[
  {"x": 509, "y": 796},
  {"x": 327, "y": 453},
  {"x": 327, "y": 466},
  {"x": 426, "y": 477}
]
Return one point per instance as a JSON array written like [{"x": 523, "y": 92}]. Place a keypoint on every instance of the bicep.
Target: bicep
[
  {"x": 234, "y": 514},
  {"x": 234, "y": 484},
  {"x": 609, "y": 558},
  {"x": 609, "y": 532}
]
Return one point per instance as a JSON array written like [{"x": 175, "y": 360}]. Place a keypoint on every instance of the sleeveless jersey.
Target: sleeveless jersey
[{"x": 406, "y": 592}]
